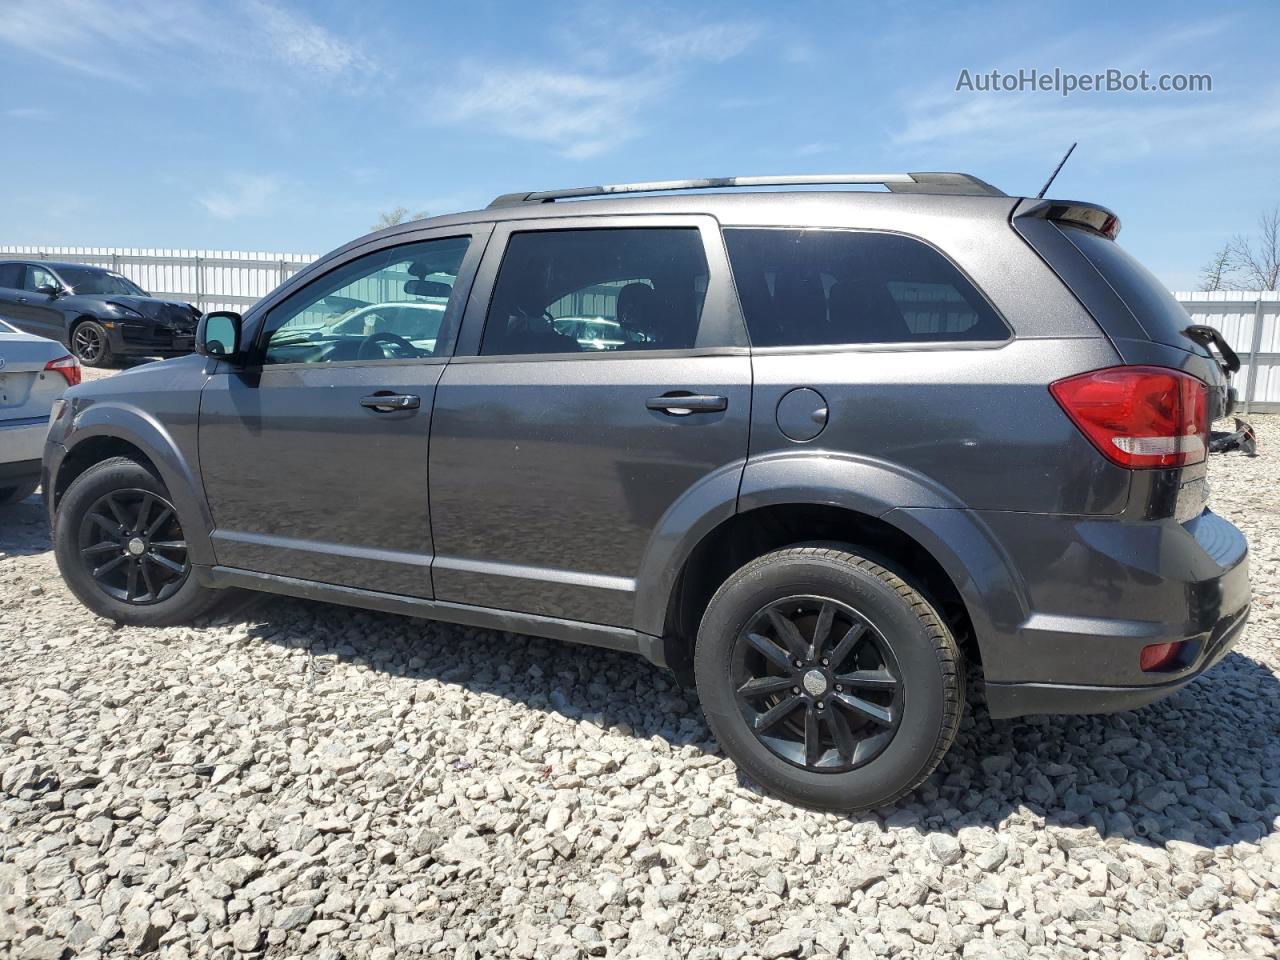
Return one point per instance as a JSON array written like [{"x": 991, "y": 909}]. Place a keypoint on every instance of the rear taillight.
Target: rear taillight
[
  {"x": 69, "y": 367},
  {"x": 1139, "y": 416},
  {"x": 1159, "y": 656}
]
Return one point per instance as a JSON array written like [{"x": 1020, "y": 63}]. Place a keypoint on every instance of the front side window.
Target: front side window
[
  {"x": 388, "y": 305},
  {"x": 38, "y": 277},
  {"x": 589, "y": 291},
  {"x": 817, "y": 287}
]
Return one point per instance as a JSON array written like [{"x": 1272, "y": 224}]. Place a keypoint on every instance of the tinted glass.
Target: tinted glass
[
  {"x": 1153, "y": 306},
  {"x": 84, "y": 280},
  {"x": 571, "y": 291},
  {"x": 11, "y": 275},
  {"x": 38, "y": 277},
  {"x": 384, "y": 306},
  {"x": 809, "y": 287}
]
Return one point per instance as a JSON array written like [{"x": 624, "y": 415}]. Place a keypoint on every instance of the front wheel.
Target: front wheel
[
  {"x": 828, "y": 679},
  {"x": 90, "y": 344},
  {"x": 121, "y": 548}
]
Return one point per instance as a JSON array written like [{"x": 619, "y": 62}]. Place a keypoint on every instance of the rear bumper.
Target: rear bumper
[
  {"x": 1062, "y": 606},
  {"x": 1023, "y": 699},
  {"x": 14, "y": 472},
  {"x": 22, "y": 439}
]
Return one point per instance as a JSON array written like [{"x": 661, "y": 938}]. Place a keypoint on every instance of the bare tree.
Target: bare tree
[
  {"x": 1257, "y": 259},
  {"x": 1216, "y": 274},
  {"x": 389, "y": 218}
]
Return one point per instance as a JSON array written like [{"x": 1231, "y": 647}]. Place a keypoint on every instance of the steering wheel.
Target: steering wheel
[{"x": 401, "y": 346}]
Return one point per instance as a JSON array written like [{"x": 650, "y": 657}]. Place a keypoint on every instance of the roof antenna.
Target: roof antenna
[{"x": 1052, "y": 176}]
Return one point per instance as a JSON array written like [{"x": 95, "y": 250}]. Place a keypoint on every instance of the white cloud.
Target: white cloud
[
  {"x": 593, "y": 103},
  {"x": 246, "y": 195},
  {"x": 294, "y": 40}
]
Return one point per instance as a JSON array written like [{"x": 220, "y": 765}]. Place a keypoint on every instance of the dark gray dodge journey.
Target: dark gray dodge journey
[{"x": 824, "y": 454}]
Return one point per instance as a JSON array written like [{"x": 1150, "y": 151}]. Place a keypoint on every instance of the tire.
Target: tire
[
  {"x": 16, "y": 494},
  {"x": 903, "y": 678},
  {"x": 157, "y": 595},
  {"x": 90, "y": 343}
]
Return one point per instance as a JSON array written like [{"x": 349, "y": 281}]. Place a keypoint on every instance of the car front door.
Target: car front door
[
  {"x": 31, "y": 310},
  {"x": 314, "y": 453},
  {"x": 558, "y": 459}
]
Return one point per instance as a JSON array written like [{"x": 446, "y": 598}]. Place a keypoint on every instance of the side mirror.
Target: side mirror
[
  {"x": 48, "y": 289},
  {"x": 218, "y": 335}
]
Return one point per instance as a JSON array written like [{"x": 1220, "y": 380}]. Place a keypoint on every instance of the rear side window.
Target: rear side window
[
  {"x": 587, "y": 291},
  {"x": 1153, "y": 306},
  {"x": 812, "y": 287},
  {"x": 11, "y": 275}
]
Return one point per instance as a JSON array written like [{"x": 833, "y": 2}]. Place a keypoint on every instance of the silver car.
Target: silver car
[{"x": 33, "y": 373}]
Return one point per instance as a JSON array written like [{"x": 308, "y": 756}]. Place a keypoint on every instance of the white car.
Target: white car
[{"x": 33, "y": 373}]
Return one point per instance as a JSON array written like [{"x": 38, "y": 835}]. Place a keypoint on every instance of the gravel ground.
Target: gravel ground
[{"x": 293, "y": 779}]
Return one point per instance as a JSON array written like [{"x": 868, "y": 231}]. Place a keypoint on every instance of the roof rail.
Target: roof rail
[{"x": 956, "y": 184}]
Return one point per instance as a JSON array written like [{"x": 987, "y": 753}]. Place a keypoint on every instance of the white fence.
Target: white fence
[
  {"x": 232, "y": 280},
  {"x": 1250, "y": 322},
  {"x": 210, "y": 279}
]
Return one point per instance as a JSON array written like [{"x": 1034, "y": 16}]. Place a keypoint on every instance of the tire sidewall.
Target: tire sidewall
[
  {"x": 101, "y": 479},
  {"x": 915, "y": 743},
  {"x": 104, "y": 357}
]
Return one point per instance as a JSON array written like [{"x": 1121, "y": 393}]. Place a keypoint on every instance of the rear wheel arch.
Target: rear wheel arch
[{"x": 746, "y": 536}]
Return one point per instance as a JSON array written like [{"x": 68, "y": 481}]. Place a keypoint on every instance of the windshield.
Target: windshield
[{"x": 84, "y": 280}]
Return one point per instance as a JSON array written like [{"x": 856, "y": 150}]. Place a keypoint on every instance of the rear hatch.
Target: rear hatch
[
  {"x": 1139, "y": 315},
  {"x": 1149, "y": 329}
]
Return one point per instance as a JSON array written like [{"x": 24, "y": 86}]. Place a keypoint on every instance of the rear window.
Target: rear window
[
  {"x": 1153, "y": 306},
  {"x": 813, "y": 287}
]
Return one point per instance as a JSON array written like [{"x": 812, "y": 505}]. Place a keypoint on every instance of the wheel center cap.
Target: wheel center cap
[
  {"x": 136, "y": 547},
  {"x": 815, "y": 684}
]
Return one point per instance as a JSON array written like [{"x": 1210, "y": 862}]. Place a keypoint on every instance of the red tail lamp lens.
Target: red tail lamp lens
[{"x": 1158, "y": 656}]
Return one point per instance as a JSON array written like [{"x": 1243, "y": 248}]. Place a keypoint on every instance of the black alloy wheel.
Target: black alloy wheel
[
  {"x": 817, "y": 684},
  {"x": 88, "y": 343},
  {"x": 132, "y": 546}
]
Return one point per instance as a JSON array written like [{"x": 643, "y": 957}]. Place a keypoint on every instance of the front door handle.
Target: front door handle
[
  {"x": 386, "y": 402},
  {"x": 683, "y": 404}
]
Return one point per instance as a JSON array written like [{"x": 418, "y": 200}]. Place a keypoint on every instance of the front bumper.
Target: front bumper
[{"x": 141, "y": 340}]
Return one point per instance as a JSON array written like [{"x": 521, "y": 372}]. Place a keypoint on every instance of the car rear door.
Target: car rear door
[
  {"x": 314, "y": 454},
  {"x": 555, "y": 463}
]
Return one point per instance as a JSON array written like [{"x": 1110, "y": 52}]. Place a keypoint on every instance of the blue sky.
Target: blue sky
[{"x": 283, "y": 126}]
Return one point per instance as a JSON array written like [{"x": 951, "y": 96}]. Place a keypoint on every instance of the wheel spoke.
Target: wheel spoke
[
  {"x": 117, "y": 511},
  {"x": 106, "y": 546},
  {"x": 169, "y": 544},
  {"x": 789, "y": 634},
  {"x": 822, "y": 629},
  {"x": 146, "y": 578},
  {"x": 105, "y": 522},
  {"x": 843, "y": 736},
  {"x": 868, "y": 679},
  {"x": 763, "y": 686},
  {"x": 771, "y": 651},
  {"x": 864, "y": 708},
  {"x": 812, "y": 737},
  {"x": 158, "y": 522},
  {"x": 770, "y": 718},
  {"x": 846, "y": 644},
  {"x": 144, "y": 510},
  {"x": 166, "y": 563},
  {"x": 109, "y": 565},
  {"x": 131, "y": 584}
]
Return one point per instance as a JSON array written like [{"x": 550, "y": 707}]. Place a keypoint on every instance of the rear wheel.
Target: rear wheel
[
  {"x": 90, "y": 344},
  {"x": 122, "y": 550},
  {"x": 828, "y": 679}
]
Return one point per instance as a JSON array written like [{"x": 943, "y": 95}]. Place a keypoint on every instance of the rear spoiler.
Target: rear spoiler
[
  {"x": 1091, "y": 215},
  {"x": 1206, "y": 336}
]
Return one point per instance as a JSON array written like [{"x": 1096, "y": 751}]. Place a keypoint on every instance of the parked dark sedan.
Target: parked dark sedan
[{"x": 97, "y": 313}]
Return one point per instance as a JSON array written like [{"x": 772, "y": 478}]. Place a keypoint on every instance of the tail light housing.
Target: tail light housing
[
  {"x": 1159, "y": 656},
  {"x": 68, "y": 366},
  {"x": 1139, "y": 417}
]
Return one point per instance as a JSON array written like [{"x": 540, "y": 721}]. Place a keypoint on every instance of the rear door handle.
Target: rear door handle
[
  {"x": 681, "y": 405},
  {"x": 386, "y": 402}
]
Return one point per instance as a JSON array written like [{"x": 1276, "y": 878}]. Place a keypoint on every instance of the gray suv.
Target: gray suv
[{"x": 846, "y": 448}]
